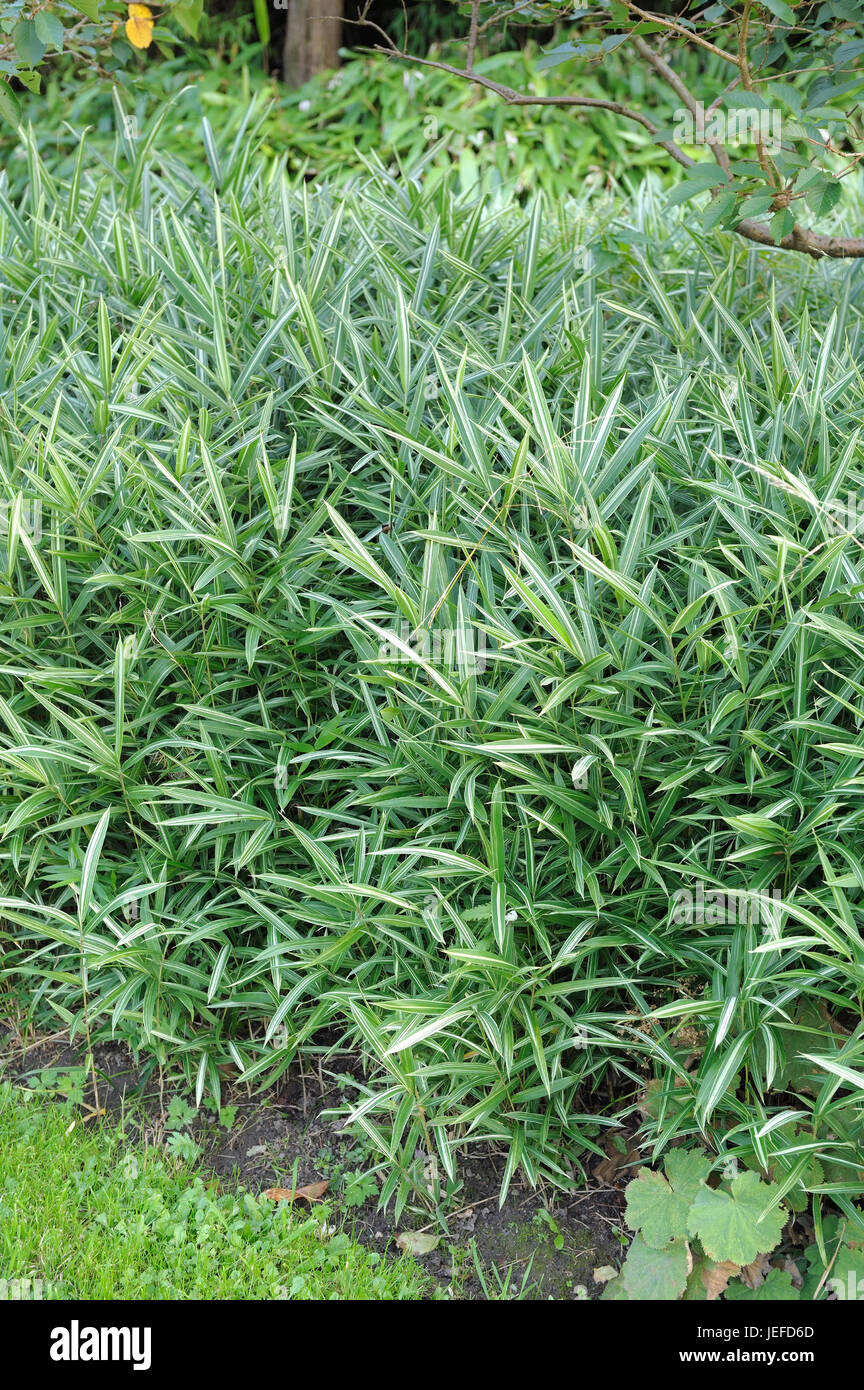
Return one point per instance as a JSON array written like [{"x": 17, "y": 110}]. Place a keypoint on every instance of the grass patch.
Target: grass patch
[{"x": 84, "y": 1214}]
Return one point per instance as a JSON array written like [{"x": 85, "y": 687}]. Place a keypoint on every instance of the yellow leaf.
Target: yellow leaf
[{"x": 139, "y": 26}]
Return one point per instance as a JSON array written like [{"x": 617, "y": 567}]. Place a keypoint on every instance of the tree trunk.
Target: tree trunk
[{"x": 313, "y": 33}]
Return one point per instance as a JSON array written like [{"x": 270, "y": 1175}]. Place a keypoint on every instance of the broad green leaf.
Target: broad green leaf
[{"x": 739, "y": 1223}]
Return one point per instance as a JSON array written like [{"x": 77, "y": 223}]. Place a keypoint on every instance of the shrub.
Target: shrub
[{"x": 398, "y": 614}]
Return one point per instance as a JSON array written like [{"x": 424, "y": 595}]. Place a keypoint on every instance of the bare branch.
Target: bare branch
[
  {"x": 771, "y": 175},
  {"x": 682, "y": 29},
  {"x": 514, "y": 98},
  {"x": 683, "y": 93},
  {"x": 804, "y": 240},
  {"x": 472, "y": 34}
]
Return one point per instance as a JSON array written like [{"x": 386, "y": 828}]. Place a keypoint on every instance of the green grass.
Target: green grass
[
  {"x": 85, "y": 1214},
  {"x": 273, "y": 433}
]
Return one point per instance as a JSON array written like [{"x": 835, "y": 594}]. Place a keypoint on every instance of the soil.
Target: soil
[{"x": 547, "y": 1242}]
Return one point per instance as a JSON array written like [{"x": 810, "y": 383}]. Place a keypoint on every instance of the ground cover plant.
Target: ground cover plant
[
  {"x": 702, "y": 1242},
  {"x": 432, "y": 626},
  {"x": 120, "y": 1220}
]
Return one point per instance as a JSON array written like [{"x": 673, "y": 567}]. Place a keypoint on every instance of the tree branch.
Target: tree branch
[
  {"x": 671, "y": 78},
  {"x": 514, "y": 98},
  {"x": 683, "y": 31},
  {"x": 801, "y": 239}
]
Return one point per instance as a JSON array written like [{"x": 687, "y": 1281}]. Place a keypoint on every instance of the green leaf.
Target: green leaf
[
  {"x": 687, "y": 1171},
  {"x": 188, "y": 15},
  {"x": 780, "y": 10},
  {"x": 659, "y": 1206},
  {"x": 745, "y": 101},
  {"x": 718, "y": 210},
  {"x": 29, "y": 79},
  {"x": 755, "y": 206},
  {"x": 698, "y": 180},
  {"x": 844, "y": 1278},
  {"x": 651, "y": 1274},
  {"x": 28, "y": 45},
  {"x": 655, "y": 1209},
  {"x": 734, "y": 1224},
  {"x": 821, "y": 200},
  {"x": 776, "y": 1287},
  {"x": 91, "y": 863},
  {"x": 564, "y": 52},
  {"x": 49, "y": 29},
  {"x": 88, "y": 7},
  {"x": 10, "y": 108},
  {"x": 262, "y": 21}
]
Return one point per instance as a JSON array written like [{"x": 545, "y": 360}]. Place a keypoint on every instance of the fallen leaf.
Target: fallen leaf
[
  {"x": 754, "y": 1274},
  {"x": 416, "y": 1242},
  {"x": 715, "y": 1277},
  {"x": 790, "y": 1268},
  {"x": 603, "y": 1273},
  {"x": 139, "y": 26},
  {"x": 606, "y": 1171},
  {"x": 313, "y": 1192}
]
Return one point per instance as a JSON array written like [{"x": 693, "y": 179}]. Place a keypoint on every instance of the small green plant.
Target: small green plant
[
  {"x": 182, "y": 1146},
  {"x": 548, "y": 1227},
  {"x": 61, "y": 1083},
  {"x": 498, "y": 1286},
  {"x": 360, "y": 1186},
  {"x": 225, "y": 1114},
  {"x": 692, "y": 1239},
  {"x": 116, "y": 1221},
  {"x": 835, "y": 1263},
  {"x": 179, "y": 1114},
  {"x": 239, "y": 458}
]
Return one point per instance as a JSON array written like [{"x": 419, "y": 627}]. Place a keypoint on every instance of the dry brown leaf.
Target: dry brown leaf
[
  {"x": 790, "y": 1268},
  {"x": 604, "y": 1273},
  {"x": 715, "y": 1277},
  {"x": 754, "y": 1274},
  {"x": 312, "y": 1192},
  {"x": 606, "y": 1170}
]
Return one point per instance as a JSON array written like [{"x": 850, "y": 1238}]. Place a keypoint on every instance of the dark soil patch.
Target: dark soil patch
[{"x": 548, "y": 1241}]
